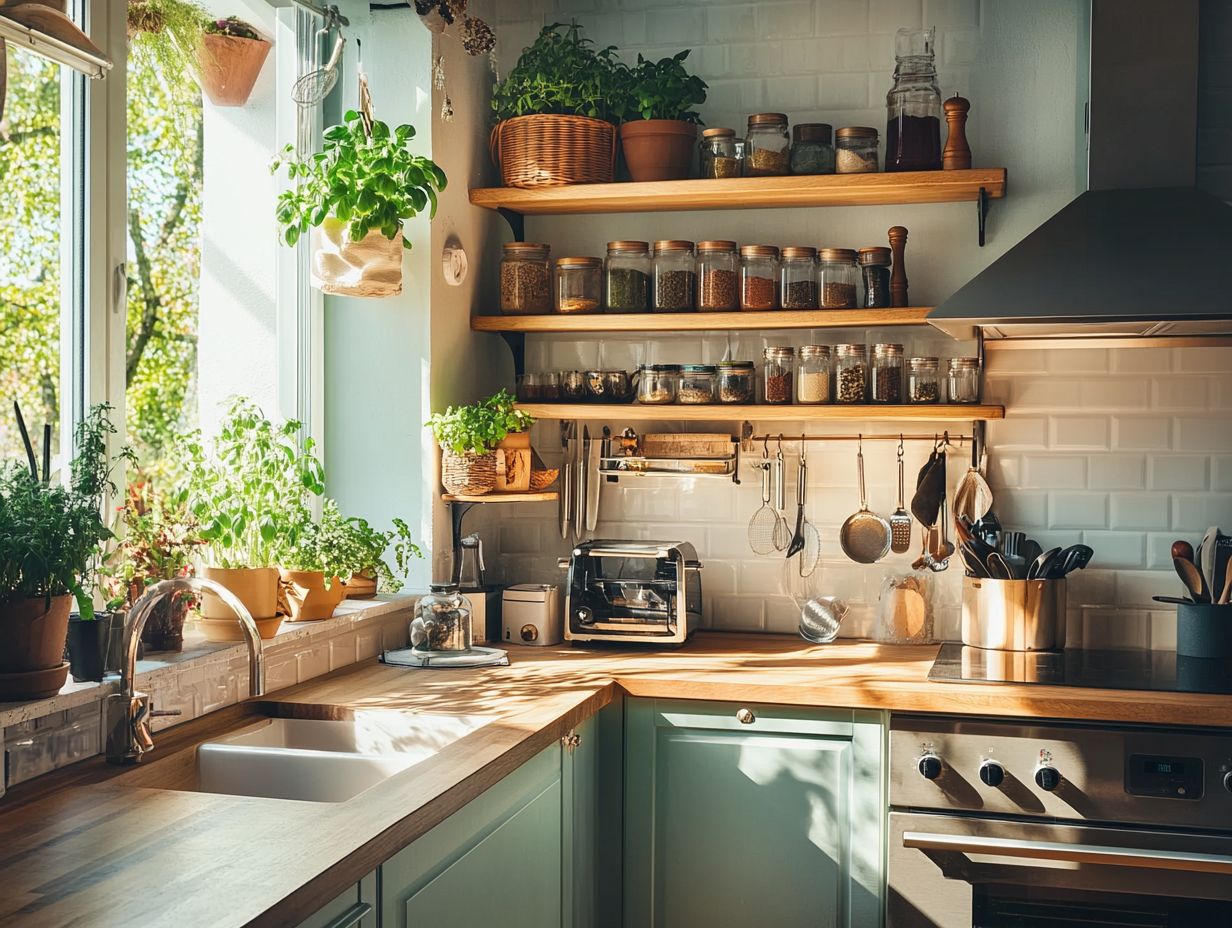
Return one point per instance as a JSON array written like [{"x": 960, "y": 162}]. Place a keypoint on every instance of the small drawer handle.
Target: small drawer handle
[
  {"x": 745, "y": 716},
  {"x": 351, "y": 917}
]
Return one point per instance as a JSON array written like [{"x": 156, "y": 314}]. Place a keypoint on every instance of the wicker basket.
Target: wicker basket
[
  {"x": 549, "y": 150},
  {"x": 468, "y": 474},
  {"x": 540, "y": 480}
]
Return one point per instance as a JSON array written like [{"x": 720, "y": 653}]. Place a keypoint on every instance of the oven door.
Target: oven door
[{"x": 948, "y": 871}]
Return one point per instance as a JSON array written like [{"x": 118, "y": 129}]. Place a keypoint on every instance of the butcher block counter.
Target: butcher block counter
[{"x": 99, "y": 845}]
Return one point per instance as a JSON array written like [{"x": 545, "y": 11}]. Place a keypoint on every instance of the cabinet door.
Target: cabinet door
[
  {"x": 752, "y": 815},
  {"x": 355, "y": 908}
]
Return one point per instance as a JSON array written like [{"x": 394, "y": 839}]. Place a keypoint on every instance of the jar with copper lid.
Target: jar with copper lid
[
  {"x": 875, "y": 266},
  {"x": 798, "y": 278},
  {"x": 722, "y": 153},
  {"x": 525, "y": 278},
  {"x": 718, "y": 277},
  {"x": 836, "y": 278},
  {"x": 778, "y": 363},
  {"x": 579, "y": 285},
  {"x": 813, "y": 375},
  {"x": 626, "y": 277},
  {"x": 812, "y": 148},
  {"x": 923, "y": 381},
  {"x": 767, "y": 145},
  {"x": 887, "y": 377},
  {"x": 964, "y": 380},
  {"x": 699, "y": 384},
  {"x": 759, "y": 277},
  {"x": 850, "y": 374},
  {"x": 675, "y": 277},
  {"x": 855, "y": 150},
  {"x": 737, "y": 382},
  {"x": 658, "y": 383}
]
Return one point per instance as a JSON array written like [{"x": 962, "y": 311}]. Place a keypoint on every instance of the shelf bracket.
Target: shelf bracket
[
  {"x": 457, "y": 512},
  {"x": 981, "y": 206},
  {"x": 517, "y": 347},
  {"x": 517, "y": 222}
]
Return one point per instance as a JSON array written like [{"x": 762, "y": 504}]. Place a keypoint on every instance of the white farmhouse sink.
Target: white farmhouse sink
[{"x": 325, "y": 761}]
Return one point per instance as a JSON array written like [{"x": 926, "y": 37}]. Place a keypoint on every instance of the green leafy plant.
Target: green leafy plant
[
  {"x": 232, "y": 26},
  {"x": 479, "y": 427},
  {"x": 166, "y": 33},
  {"x": 662, "y": 89},
  {"x": 364, "y": 177},
  {"x": 370, "y": 546},
  {"x": 339, "y": 547},
  {"x": 157, "y": 541},
  {"x": 562, "y": 73}
]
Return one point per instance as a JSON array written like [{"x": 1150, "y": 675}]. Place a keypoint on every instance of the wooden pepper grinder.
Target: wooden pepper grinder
[
  {"x": 957, "y": 154},
  {"x": 898, "y": 275}
]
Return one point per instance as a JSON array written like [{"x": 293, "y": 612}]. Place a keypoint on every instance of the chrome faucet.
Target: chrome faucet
[{"x": 128, "y": 712}]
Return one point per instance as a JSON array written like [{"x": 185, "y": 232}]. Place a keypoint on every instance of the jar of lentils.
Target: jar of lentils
[
  {"x": 875, "y": 266},
  {"x": 855, "y": 150},
  {"x": 767, "y": 145},
  {"x": 777, "y": 371},
  {"x": 718, "y": 277},
  {"x": 675, "y": 277},
  {"x": 836, "y": 278},
  {"x": 698, "y": 384},
  {"x": 626, "y": 277},
  {"x": 887, "y": 373},
  {"x": 525, "y": 279},
  {"x": 850, "y": 374},
  {"x": 722, "y": 154},
  {"x": 813, "y": 375},
  {"x": 798, "y": 278},
  {"x": 658, "y": 384},
  {"x": 964, "y": 380},
  {"x": 579, "y": 285},
  {"x": 737, "y": 382},
  {"x": 759, "y": 277},
  {"x": 923, "y": 381},
  {"x": 812, "y": 148}
]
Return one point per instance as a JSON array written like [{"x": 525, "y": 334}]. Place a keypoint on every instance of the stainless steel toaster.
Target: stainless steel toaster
[{"x": 633, "y": 592}]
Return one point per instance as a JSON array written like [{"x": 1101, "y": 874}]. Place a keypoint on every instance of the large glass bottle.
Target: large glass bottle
[{"x": 913, "y": 105}]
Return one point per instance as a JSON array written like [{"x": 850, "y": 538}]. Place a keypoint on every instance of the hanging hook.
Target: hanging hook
[
  {"x": 765, "y": 446},
  {"x": 900, "y": 444},
  {"x": 860, "y": 443},
  {"x": 803, "y": 453},
  {"x": 780, "y": 448}
]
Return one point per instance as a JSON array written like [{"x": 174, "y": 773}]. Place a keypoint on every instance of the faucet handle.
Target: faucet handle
[{"x": 162, "y": 713}]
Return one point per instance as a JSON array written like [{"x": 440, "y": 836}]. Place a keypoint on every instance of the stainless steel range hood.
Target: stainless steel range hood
[{"x": 1142, "y": 253}]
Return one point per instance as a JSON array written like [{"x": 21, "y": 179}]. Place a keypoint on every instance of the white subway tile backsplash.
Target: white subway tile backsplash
[
  {"x": 1117, "y": 549},
  {"x": 1178, "y": 472},
  {"x": 1221, "y": 469},
  {"x": 1137, "y": 361},
  {"x": 782, "y": 18},
  {"x": 1210, "y": 432},
  {"x": 1018, "y": 432},
  {"x": 732, "y": 23},
  {"x": 1114, "y": 393},
  {"x": 1193, "y": 360},
  {"x": 677, "y": 25},
  {"x": 1080, "y": 433},
  {"x": 951, "y": 12},
  {"x": 1116, "y": 471},
  {"x": 1141, "y": 433},
  {"x": 895, "y": 14},
  {"x": 1139, "y": 510},
  {"x": 1054, "y": 472},
  {"x": 1177, "y": 392},
  {"x": 1022, "y": 509},
  {"x": 1077, "y": 510},
  {"x": 842, "y": 91},
  {"x": 838, "y": 16},
  {"x": 1193, "y": 512}
]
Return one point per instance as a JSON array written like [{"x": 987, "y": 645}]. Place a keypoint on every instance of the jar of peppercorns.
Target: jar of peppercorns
[
  {"x": 675, "y": 277},
  {"x": 923, "y": 380},
  {"x": 850, "y": 374},
  {"x": 798, "y": 278},
  {"x": 875, "y": 265},
  {"x": 779, "y": 362},
  {"x": 887, "y": 373}
]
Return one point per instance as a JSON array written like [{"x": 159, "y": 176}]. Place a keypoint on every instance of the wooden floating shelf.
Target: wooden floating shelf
[
  {"x": 761, "y": 413},
  {"x": 544, "y": 497},
  {"x": 748, "y": 192},
  {"x": 699, "y": 321}
]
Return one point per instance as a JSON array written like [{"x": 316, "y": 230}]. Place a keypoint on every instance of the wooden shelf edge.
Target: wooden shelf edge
[
  {"x": 763, "y": 413},
  {"x": 702, "y": 321},
  {"x": 544, "y": 497}
]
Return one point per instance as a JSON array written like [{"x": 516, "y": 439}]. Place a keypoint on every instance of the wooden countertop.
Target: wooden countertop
[{"x": 99, "y": 845}]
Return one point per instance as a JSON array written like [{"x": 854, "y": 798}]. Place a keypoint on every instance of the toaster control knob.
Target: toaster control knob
[
  {"x": 529, "y": 632},
  {"x": 1047, "y": 777},
  {"x": 585, "y": 616},
  {"x": 929, "y": 766},
  {"x": 992, "y": 773}
]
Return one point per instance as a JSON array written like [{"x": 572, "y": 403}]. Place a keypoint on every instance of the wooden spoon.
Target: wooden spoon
[{"x": 1192, "y": 578}]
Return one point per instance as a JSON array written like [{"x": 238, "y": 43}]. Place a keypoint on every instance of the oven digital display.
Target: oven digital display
[{"x": 1170, "y": 777}]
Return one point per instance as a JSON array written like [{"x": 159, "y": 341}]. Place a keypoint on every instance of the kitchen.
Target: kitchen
[{"x": 669, "y": 720}]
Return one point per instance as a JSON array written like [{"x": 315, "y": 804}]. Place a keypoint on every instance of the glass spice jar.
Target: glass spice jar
[
  {"x": 539, "y": 387},
  {"x": 812, "y": 148},
  {"x": 813, "y": 375},
  {"x": 875, "y": 266},
  {"x": 718, "y": 277},
  {"x": 675, "y": 277},
  {"x": 836, "y": 277},
  {"x": 913, "y": 105},
  {"x": 525, "y": 278},
  {"x": 759, "y": 277},
  {"x": 964, "y": 380},
  {"x": 579, "y": 285},
  {"x": 737, "y": 381},
  {"x": 698, "y": 384},
  {"x": 722, "y": 154},
  {"x": 658, "y": 384},
  {"x": 767, "y": 145},
  {"x": 887, "y": 373},
  {"x": 777, "y": 371},
  {"x": 923, "y": 381},
  {"x": 855, "y": 150},
  {"x": 850, "y": 374},
  {"x": 626, "y": 277},
  {"x": 798, "y": 278}
]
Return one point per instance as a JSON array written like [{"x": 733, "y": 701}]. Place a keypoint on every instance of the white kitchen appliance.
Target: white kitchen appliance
[{"x": 532, "y": 614}]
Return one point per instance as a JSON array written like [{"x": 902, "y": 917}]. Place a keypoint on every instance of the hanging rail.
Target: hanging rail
[
  {"x": 323, "y": 12},
  {"x": 934, "y": 437}
]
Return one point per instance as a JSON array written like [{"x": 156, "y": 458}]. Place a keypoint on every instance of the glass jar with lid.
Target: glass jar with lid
[
  {"x": 626, "y": 277},
  {"x": 777, "y": 374},
  {"x": 813, "y": 375},
  {"x": 718, "y": 277},
  {"x": 836, "y": 278},
  {"x": 887, "y": 373},
  {"x": 675, "y": 277},
  {"x": 698, "y": 384},
  {"x": 767, "y": 145},
  {"x": 798, "y": 278},
  {"x": 759, "y": 277},
  {"x": 913, "y": 105},
  {"x": 850, "y": 374},
  {"x": 855, "y": 150},
  {"x": 812, "y": 148},
  {"x": 525, "y": 278},
  {"x": 442, "y": 620},
  {"x": 579, "y": 285},
  {"x": 722, "y": 154},
  {"x": 923, "y": 381},
  {"x": 964, "y": 380},
  {"x": 875, "y": 266},
  {"x": 658, "y": 383},
  {"x": 737, "y": 382}
]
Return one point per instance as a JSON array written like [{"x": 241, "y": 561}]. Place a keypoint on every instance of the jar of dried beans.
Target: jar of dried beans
[
  {"x": 737, "y": 382},
  {"x": 777, "y": 370},
  {"x": 579, "y": 285},
  {"x": 923, "y": 381},
  {"x": 675, "y": 277},
  {"x": 759, "y": 277},
  {"x": 850, "y": 374},
  {"x": 698, "y": 384},
  {"x": 964, "y": 380},
  {"x": 718, "y": 277},
  {"x": 836, "y": 278},
  {"x": 875, "y": 266},
  {"x": 855, "y": 150},
  {"x": 798, "y": 278},
  {"x": 767, "y": 145},
  {"x": 813, "y": 375},
  {"x": 626, "y": 277},
  {"x": 722, "y": 154},
  {"x": 887, "y": 373},
  {"x": 525, "y": 279},
  {"x": 658, "y": 384}
]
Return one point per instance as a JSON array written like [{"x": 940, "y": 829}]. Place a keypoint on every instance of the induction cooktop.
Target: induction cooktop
[{"x": 1116, "y": 670}]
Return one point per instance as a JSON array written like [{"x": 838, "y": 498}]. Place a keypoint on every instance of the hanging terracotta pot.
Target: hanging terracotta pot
[
  {"x": 228, "y": 67},
  {"x": 32, "y": 635},
  {"x": 370, "y": 267},
  {"x": 306, "y": 596},
  {"x": 658, "y": 149}
]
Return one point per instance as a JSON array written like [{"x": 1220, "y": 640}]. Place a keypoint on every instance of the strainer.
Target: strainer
[
  {"x": 313, "y": 87},
  {"x": 865, "y": 536},
  {"x": 765, "y": 520}
]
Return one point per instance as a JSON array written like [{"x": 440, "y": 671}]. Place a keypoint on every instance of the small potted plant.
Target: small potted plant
[
  {"x": 470, "y": 437},
  {"x": 660, "y": 131},
  {"x": 230, "y": 56},
  {"x": 374, "y": 572},
  {"x": 316, "y": 560},
  {"x": 168, "y": 35},
  {"x": 355, "y": 197}
]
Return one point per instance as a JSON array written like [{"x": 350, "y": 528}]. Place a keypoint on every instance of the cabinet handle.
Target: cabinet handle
[
  {"x": 745, "y": 716},
  {"x": 571, "y": 741},
  {"x": 352, "y": 916}
]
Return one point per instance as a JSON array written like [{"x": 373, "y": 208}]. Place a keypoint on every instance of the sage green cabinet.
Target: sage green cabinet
[
  {"x": 740, "y": 815},
  {"x": 355, "y": 908}
]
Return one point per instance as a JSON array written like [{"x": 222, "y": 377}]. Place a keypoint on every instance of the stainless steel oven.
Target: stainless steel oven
[{"x": 1005, "y": 825}]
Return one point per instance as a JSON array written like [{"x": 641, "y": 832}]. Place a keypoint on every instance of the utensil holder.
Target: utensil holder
[
  {"x": 1013, "y": 615},
  {"x": 1204, "y": 630}
]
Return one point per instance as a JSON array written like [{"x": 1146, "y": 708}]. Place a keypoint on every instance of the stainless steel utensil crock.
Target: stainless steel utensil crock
[{"x": 1013, "y": 615}]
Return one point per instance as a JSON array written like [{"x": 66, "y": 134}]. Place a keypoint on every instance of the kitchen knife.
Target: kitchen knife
[
  {"x": 579, "y": 488},
  {"x": 565, "y": 499},
  {"x": 594, "y": 453}
]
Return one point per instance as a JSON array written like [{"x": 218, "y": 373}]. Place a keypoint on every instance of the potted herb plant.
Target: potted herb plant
[
  {"x": 355, "y": 197},
  {"x": 555, "y": 112},
  {"x": 660, "y": 131},
  {"x": 230, "y": 56},
  {"x": 470, "y": 436},
  {"x": 372, "y": 571},
  {"x": 314, "y": 564}
]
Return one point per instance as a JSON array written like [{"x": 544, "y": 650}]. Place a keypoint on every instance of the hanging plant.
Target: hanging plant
[
  {"x": 167, "y": 33},
  {"x": 231, "y": 56}
]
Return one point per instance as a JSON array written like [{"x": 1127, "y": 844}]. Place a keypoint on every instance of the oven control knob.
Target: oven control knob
[
  {"x": 1047, "y": 777},
  {"x": 992, "y": 773},
  {"x": 929, "y": 766},
  {"x": 1227, "y": 781}
]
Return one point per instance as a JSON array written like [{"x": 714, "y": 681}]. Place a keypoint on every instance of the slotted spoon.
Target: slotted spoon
[
  {"x": 765, "y": 520},
  {"x": 900, "y": 519}
]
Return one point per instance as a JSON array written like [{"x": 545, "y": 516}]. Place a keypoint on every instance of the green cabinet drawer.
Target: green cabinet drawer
[{"x": 355, "y": 908}]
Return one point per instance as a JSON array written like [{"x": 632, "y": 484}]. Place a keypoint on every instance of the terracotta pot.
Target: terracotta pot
[
  {"x": 32, "y": 636},
  {"x": 369, "y": 267},
  {"x": 306, "y": 595},
  {"x": 360, "y": 586},
  {"x": 513, "y": 463},
  {"x": 228, "y": 67},
  {"x": 256, "y": 588},
  {"x": 658, "y": 149},
  {"x": 95, "y": 646}
]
